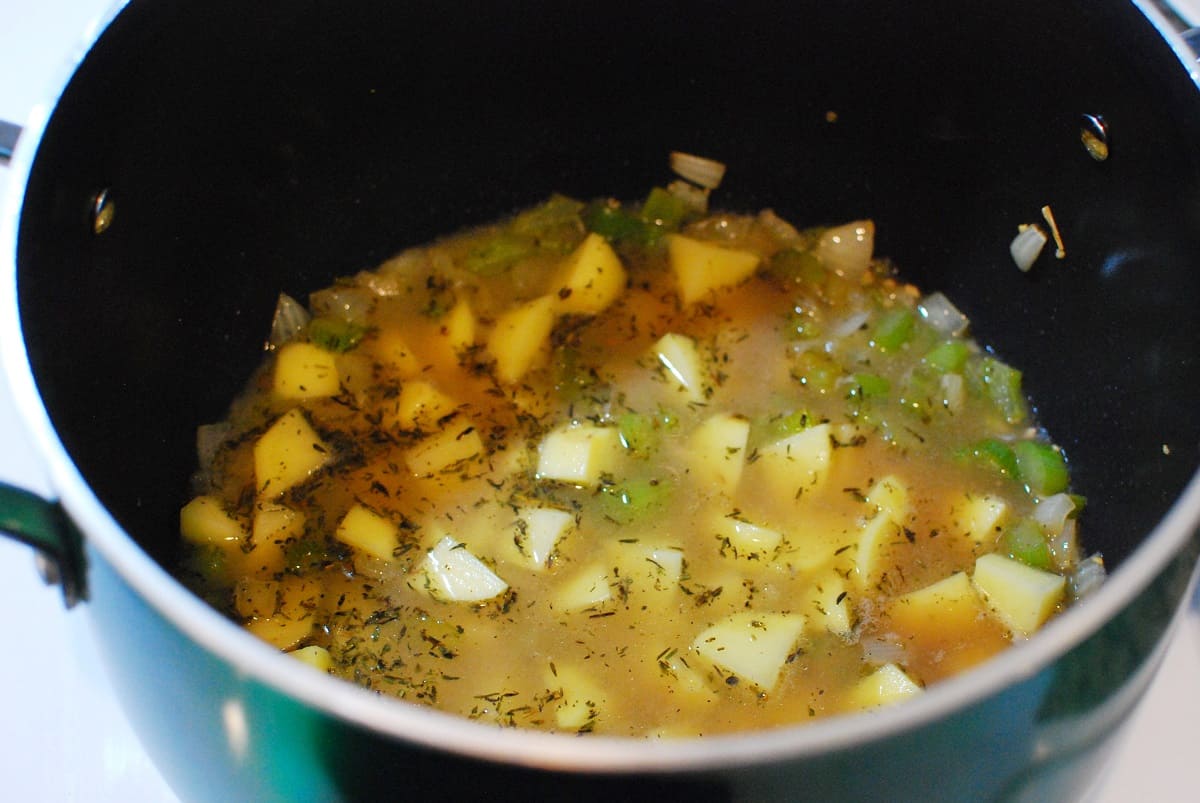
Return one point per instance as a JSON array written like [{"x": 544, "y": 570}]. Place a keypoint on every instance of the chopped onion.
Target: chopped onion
[
  {"x": 941, "y": 314},
  {"x": 1052, "y": 512},
  {"x": 1088, "y": 576},
  {"x": 1027, "y": 246},
  {"x": 878, "y": 651},
  {"x": 698, "y": 170},
  {"x": 782, "y": 232},
  {"x": 847, "y": 249},
  {"x": 348, "y": 303},
  {"x": 849, "y": 325},
  {"x": 209, "y": 438},
  {"x": 954, "y": 391},
  {"x": 289, "y": 320},
  {"x": 693, "y": 197}
]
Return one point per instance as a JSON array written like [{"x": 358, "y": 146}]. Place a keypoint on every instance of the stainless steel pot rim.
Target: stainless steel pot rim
[{"x": 257, "y": 661}]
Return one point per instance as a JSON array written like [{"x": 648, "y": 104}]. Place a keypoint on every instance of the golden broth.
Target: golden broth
[{"x": 628, "y": 484}]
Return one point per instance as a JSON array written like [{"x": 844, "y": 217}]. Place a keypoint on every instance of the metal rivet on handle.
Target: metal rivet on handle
[
  {"x": 103, "y": 210},
  {"x": 1093, "y": 133}
]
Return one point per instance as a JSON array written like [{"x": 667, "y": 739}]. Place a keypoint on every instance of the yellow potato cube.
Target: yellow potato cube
[
  {"x": 680, "y": 360},
  {"x": 256, "y": 598},
  {"x": 521, "y": 338},
  {"x": 456, "y": 575},
  {"x": 949, "y": 606},
  {"x": 316, "y": 657},
  {"x": 588, "y": 588},
  {"x": 458, "y": 327},
  {"x": 582, "y": 700},
  {"x": 457, "y": 443},
  {"x": 286, "y": 454},
  {"x": 538, "y": 533},
  {"x": 981, "y": 518},
  {"x": 717, "y": 452},
  {"x": 1022, "y": 596},
  {"x": 886, "y": 685},
  {"x": 204, "y": 520},
  {"x": 420, "y": 405},
  {"x": 304, "y": 371},
  {"x": 754, "y": 646},
  {"x": 873, "y": 540},
  {"x": 890, "y": 496},
  {"x": 701, "y": 267},
  {"x": 746, "y": 540},
  {"x": 368, "y": 532},
  {"x": 796, "y": 464},
  {"x": 831, "y": 605},
  {"x": 294, "y": 618},
  {"x": 392, "y": 349},
  {"x": 590, "y": 279},
  {"x": 578, "y": 454},
  {"x": 272, "y": 527}
]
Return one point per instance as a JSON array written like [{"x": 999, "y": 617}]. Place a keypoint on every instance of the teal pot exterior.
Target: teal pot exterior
[{"x": 114, "y": 358}]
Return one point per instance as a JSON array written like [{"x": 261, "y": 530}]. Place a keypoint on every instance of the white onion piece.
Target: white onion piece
[
  {"x": 348, "y": 303},
  {"x": 878, "y": 651},
  {"x": 209, "y": 438},
  {"x": 289, "y": 320},
  {"x": 1027, "y": 246},
  {"x": 1088, "y": 576},
  {"x": 954, "y": 391},
  {"x": 693, "y": 197},
  {"x": 782, "y": 232},
  {"x": 698, "y": 170},
  {"x": 1052, "y": 512},
  {"x": 849, "y": 325},
  {"x": 847, "y": 249},
  {"x": 941, "y": 314}
]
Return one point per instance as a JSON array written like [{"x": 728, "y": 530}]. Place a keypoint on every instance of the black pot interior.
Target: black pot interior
[{"x": 250, "y": 148}]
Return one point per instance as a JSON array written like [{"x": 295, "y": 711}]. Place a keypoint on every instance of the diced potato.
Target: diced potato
[
  {"x": 316, "y": 657},
  {"x": 590, "y": 279},
  {"x": 649, "y": 574},
  {"x": 873, "y": 540},
  {"x": 831, "y": 605},
  {"x": 701, "y": 267},
  {"x": 456, "y": 575},
  {"x": 368, "y": 532},
  {"x": 288, "y": 453},
  {"x": 458, "y": 327},
  {"x": 752, "y": 645},
  {"x": 746, "y": 540},
  {"x": 457, "y": 443},
  {"x": 392, "y": 349},
  {"x": 796, "y": 464},
  {"x": 588, "y": 588},
  {"x": 717, "y": 452},
  {"x": 273, "y": 525},
  {"x": 981, "y": 518},
  {"x": 582, "y": 700},
  {"x": 886, "y": 685},
  {"x": 890, "y": 495},
  {"x": 682, "y": 365},
  {"x": 578, "y": 454},
  {"x": 538, "y": 533},
  {"x": 943, "y": 608},
  {"x": 256, "y": 598},
  {"x": 294, "y": 619},
  {"x": 420, "y": 405},
  {"x": 521, "y": 338},
  {"x": 204, "y": 520},
  {"x": 1022, "y": 596},
  {"x": 305, "y": 371}
]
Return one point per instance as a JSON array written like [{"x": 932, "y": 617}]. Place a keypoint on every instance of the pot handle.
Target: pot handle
[
  {"x": 45, "y": 526},
  {"x": 9, "y": 134}
]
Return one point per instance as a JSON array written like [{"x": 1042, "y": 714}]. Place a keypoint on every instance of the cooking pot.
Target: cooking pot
[{"x": 207, "y": 155}]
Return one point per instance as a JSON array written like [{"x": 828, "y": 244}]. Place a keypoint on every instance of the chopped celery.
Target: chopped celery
[
  {"x": 632, "y": 500},
  {"x": 499, "y": 253},
  {"x": 1041, "y": 467},
  {"x": 871, "y": 386},
  {"x": 1000, "y": 383},
  {"x": 946, "y": 357},
  {"x": 664, "y": 210},
  {"x": 995, "y": 453},
  {"x": 778, "y": 427},
  {"x": 894, "y": 328},
  {"x": 638, "y": 433},
  {"x": 334, "y": 334},
  {"x": 802, "y": 324},
  {"x": 1025, "y": 541},
  {"x": 799, "y": 265},
  {"x": 556, "y": 224},
  {"x": 816, "y": 370},
  {"x": 613, "y": 222}
]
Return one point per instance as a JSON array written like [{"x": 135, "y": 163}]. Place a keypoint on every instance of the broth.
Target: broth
[{"x": 633, "y": 469}]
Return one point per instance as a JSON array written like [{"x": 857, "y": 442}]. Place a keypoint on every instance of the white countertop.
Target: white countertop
[{"x": 64, "y": 738}]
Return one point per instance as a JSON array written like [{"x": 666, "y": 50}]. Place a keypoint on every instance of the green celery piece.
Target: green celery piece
[
  {"x": 996, "y": 453},
  {"x": 335, "y": 334},
  {"x": 664, "y": 210},
  {"x": 947, "y": 357},
  {"x": 499, "y": 253},
  {"x": 1001, "y": 385},
  {"x": 816, "y": 370},
  {"x": 799, "y": 265},
  {"x": 894, "y": 328},
  {"x": 632, "y": 500},
  {"x": 778, "y": 427},
  {"x": 1025, "y": 541},
  {"x": 617, "y": 224},
  {"x": 872, "y": 386},
  {"x": 639, "y": 433},
  {"x": 802, "y": 325},
  {"x": 1041, "y": 467},
  {"x": 555, "y": 224}
]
